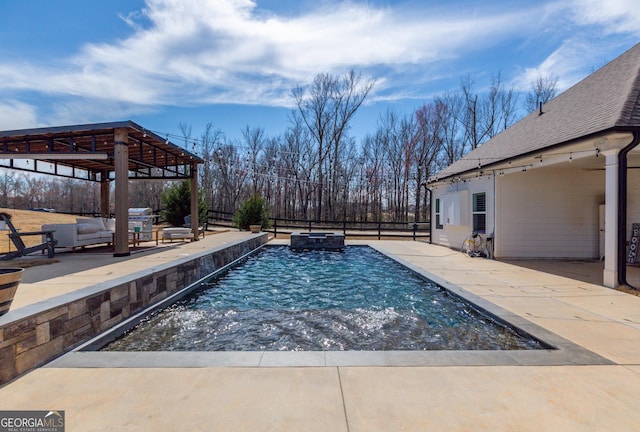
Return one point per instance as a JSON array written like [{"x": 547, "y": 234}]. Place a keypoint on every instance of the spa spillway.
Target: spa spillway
[{"x": 317, "y": 240}]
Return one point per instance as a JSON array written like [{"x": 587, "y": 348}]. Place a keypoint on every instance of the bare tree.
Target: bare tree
[
  {"x": 326, "y": 107},
  {"x": 451, "y": 106},
  {"x": 210, "y": 141},
  {"x": 499, "y": 107},
  {"x": 269, "y": 170},
  {"x": 430, "y": 120},
  {"x": 300, "y": 161},
  {"x": 314, "y": 169},
  {"x": 34, "y": 185},
  {"x": 374, "y": 181},
  {"x": 508, "y": 103},
  {"x": 185, "y": 129},
  {"x": 229, "y": 175},
  {"x": 7, "y": 187},
  {"x": 486, "y": 115},
  {"x": 146, "y": 193},
  {"x": 475, "y": 130},
  {"x": 254, "y": 140},
  {"x": 543, "y": 89},
  {"x": 397, "y": 137}
]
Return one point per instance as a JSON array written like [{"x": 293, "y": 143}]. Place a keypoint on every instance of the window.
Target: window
[
  {"x": 480, "y": 212},
  {"x": 438, "y": 215}
]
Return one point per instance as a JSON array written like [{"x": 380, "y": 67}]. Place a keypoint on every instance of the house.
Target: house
[{"x": 562, "y": 183}]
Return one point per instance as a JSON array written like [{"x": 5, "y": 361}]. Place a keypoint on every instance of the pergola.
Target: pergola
[{"x": 103, "y": 152}]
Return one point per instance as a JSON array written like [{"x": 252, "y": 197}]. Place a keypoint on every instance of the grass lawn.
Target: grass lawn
[{"x": 27, "y": 220}]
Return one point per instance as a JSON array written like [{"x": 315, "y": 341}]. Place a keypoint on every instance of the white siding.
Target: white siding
[
  {"x": 453, "y": 233},
  {"x": 549, "y": 213}
]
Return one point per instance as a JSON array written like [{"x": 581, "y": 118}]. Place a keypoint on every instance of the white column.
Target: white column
[{"x": 610, "y": 275}]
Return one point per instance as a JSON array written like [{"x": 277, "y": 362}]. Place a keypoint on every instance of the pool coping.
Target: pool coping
[{"x": 564, "y": 352}]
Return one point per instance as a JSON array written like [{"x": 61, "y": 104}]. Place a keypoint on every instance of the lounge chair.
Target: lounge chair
[{"x": 22, "y": 249}]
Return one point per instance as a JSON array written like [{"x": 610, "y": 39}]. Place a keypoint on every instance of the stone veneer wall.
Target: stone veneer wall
[{"x": 31, "y": 341}]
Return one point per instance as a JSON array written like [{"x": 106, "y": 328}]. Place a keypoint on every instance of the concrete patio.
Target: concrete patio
[{"x": 598, "y": 393}]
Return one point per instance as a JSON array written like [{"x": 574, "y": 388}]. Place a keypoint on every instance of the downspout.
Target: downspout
[{"x": 622, "y": 207}]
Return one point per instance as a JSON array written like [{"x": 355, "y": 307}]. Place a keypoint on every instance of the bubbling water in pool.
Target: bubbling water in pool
[{"x": 281, "y": 300}]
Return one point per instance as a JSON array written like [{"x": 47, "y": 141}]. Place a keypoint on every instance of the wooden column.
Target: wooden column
[
  {"x": 121, "y": 156},
  {"x": 195, "y": 217},
  {"x": 104, "y": 194}
]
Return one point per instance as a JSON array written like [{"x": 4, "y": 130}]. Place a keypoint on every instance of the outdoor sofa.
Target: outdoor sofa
[{"x": 86, "y": 231}]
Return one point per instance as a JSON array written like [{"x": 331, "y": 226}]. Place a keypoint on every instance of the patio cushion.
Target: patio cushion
[
  {"x": 88, "y": 228},
  {"x": 99, "y": 236},
  {"x": 110, "y": 224},
  {"x": 94, "y": 221}
]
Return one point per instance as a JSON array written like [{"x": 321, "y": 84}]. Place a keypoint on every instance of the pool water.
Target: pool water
[{"x": 357, "y": 299}]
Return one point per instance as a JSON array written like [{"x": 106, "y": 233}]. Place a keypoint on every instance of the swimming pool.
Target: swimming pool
[{"x": 358, "y": 299}]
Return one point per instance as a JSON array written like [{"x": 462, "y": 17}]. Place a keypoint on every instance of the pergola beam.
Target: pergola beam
[{"x": 71, "y": 155}]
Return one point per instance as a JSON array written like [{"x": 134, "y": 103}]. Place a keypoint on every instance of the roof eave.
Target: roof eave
[{"x": 497, "y": 164}]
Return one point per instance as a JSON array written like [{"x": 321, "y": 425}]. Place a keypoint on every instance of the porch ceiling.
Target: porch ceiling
[{"x": 597, "y": 163}]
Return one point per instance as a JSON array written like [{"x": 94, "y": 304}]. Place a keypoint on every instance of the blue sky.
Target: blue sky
[{"x": 234, "y": 62}]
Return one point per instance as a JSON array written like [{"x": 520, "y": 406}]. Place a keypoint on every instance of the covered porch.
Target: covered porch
[
  {"x": 578, "y": 202},
  {"x": 104, "y": 153}
]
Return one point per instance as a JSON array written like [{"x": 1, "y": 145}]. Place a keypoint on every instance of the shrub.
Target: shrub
[
  {"x": 253, "y": 211},
  {"x": 176, "y": 203}
]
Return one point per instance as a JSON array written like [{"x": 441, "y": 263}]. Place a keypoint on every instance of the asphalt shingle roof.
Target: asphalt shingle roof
[{"x": 607, "y": 99}]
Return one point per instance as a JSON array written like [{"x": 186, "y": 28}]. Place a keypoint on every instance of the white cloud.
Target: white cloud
[
  {"x": 17, "y": 115},
  {"x": 193, "y": 51},
  {"x": 567, "y": 63},
  {"x": 79, "y": 111},
  {"x": 586, "y": 48},
  {"x": 616, "y": 16}
]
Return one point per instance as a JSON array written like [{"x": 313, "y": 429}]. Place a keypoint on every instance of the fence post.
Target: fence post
[
  {"x": 275, "y": 228},
  {"x": 309, "y": 226},
  {"x": 379, "y": 228},
  {"x": 415, "y": 228},
  {"x": 344, "y": 228}
]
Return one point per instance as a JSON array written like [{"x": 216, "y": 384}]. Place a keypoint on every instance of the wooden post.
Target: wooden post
[
  {"x": 121, "y": 156},
  {"x": 104, "y": 194},
  {"x": 195, "y": 217}
]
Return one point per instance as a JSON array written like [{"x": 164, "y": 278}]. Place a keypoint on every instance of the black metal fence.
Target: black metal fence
[{"x": 379, "y": 230}]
